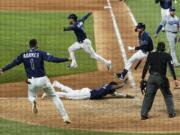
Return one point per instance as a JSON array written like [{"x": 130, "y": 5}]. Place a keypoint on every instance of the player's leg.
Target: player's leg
[
  {"x": 172, "y": 44},
  {"x": 63, "y": 88},
  {"x": 137, "y": 56},
  {"x": 32, "y": 96},
  {"x": 72, "y": 50},
  {"x": 58, "y": 103},
  {"x": 89, "y": 49},
  {"x": 148, "y": 98},
  {"x": 76, "y": 95},
  {"x": 168, "y": 98}
]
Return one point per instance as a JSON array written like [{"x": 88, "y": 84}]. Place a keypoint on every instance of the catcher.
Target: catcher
[
  {"x": 87, "y": 93},
  {"x": 157, "y": 65}
]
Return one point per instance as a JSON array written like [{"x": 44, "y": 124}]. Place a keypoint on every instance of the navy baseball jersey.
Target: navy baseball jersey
[
  {"x": 78, "y": 28},
  {"x": 145, "y": 42},
  {"x": 101, "y": 92},
  {"x": 166, "y": 4},
  {"x": 33, "y": 61}
]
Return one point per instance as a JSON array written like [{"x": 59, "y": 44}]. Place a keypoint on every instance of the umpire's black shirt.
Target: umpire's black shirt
[{"x": 157, "y": 62}]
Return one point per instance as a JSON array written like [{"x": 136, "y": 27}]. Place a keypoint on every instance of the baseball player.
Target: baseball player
[
  {"x": 171, "y": 24},
  {"x": 82, "y": 41},
  {"x": 157, "y": 63},
  {"x": 87, "y": 93},
  {"x": 145, "y": 46},
  {"x": 33, "y": 61}
]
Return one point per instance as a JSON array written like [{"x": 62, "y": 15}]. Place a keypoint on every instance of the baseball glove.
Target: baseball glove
[{"x": 143, "y": 85}]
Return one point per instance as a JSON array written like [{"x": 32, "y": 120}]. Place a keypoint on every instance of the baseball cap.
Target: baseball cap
[{"x": 172, "y": 9}]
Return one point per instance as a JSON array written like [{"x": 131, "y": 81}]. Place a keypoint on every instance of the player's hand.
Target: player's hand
[
  {"x": 1, "y": 71},
  {"x": 155, "y": 35},
  {"x": 131, "y": 48},
  {"x": 176, "y": 83}
]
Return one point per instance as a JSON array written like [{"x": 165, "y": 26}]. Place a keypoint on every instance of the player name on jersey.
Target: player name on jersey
[{"x": 31, "y": 55}]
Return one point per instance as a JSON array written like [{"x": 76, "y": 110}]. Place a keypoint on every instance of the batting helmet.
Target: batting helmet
[
  {"x": 140, "y": 26},
  {"x": 73, "y": 16},
  {"x": 172, "y": 9},
  {"x": 161, "y": 47}
]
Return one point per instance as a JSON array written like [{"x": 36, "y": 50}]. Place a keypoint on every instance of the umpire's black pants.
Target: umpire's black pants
[{"x": 155, "y": 82}]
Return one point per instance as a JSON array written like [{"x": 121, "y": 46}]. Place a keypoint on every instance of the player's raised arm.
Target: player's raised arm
[
  {"x": 69, "y": 28},
  {"x": 14, "y": 63},
  {"x": 50, "y": 58},
  {"x": 84, "y": 18}
]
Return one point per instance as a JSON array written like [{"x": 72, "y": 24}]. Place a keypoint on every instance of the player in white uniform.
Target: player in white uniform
[
  {"x": 82, "y": 41},
  {"x": 145, "y": 46},
  {"x": 172, "y": 25},
  {"x": 87, "y": 93}
]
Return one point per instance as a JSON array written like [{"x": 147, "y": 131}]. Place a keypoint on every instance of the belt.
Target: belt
[
  {"x": 172, "y": 32},
  {"x": 35, "y": 77}
]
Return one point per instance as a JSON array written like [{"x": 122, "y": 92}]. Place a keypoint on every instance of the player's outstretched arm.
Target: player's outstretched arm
[
  {"x": 50, "y": 58},
  {"x": 71, "y": 27},
  {"x": 84, "y": 18},
  {"x": 14, "y": 63}
]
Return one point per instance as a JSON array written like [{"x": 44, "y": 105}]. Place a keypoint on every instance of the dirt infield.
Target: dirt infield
[{"x": 115, "y": 115}]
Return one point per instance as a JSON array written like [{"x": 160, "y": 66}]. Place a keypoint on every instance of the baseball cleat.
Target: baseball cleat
[
  {"x": 129, "y": 96},
  {"x": 66, "y": 120},
  {"x": 172, "y": 115},
  {"x": 109, "y": 65},
  {"x": 34, "y": 108},
  {"x": 71, "y": 67},
  {"x": 119, "y": 76},
  {"x": 55, "y": 84},
  {"x": 144, "y": 117}
]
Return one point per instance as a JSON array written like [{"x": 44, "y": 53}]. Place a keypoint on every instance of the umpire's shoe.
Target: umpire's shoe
[
  {"x": 144, "y": 117},
  {"x": 172, "y": 115}
]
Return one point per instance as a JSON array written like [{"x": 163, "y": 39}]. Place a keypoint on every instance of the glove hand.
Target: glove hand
[
  {"x": 155, "y": 35},
  {"x": 131, "y": 48},
  {"x": 143, "y": 85}
]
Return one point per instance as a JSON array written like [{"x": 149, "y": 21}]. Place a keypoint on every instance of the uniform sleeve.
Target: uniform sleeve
[
  {"x": 71, "y": 27},
  {"x": 15, "y": 62},
  {"x": 162, "y": 24},
  {"x": 171, "y": 67},
  {"x": 50, "y": 58},
  {"x": 144, "y": 44},
  {"x": 146, "y": 67},
  {"x": 84, "y": 18}
]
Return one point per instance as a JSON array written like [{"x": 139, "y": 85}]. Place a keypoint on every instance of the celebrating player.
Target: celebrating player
[
  {"x": 33, "y": 61},
  {"x": 87, "y": 93},
  {"x": 82, "y": 41},
  {"x": 145, "y": 46},
  {"x": 171, "y": 24}
]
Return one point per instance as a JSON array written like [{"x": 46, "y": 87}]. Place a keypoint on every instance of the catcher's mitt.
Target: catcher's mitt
[{"x": 143, "y": 85}]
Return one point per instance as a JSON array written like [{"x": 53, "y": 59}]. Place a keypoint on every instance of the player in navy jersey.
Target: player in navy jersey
[
  {"x": 82, "y": 41},
  {"x": 33, "y": 60},
  {"x": 145, "y": 46}
]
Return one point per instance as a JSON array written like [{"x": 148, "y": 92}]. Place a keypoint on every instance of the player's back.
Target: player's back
[{"x": 33, "y": 61}]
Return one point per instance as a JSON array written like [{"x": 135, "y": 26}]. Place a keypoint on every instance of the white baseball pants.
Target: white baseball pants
[
  {"x": 137, "y": 56},
  {"x": 69, "y": 93},
  {"x": 45, "y": 84},
  {"x": 172, "y": 44},
  {"x": 164, "y": 12},
  {"x": 86, "y": 45}
]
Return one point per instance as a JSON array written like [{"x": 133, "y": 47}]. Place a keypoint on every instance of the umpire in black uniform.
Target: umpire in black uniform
[{"x": 157, "y": 65}]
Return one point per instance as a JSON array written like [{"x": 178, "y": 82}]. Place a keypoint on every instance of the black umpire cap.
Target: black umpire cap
[{"x": 140, "y": 26}]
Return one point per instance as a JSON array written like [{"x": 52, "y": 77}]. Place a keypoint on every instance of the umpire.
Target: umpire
[{"x": 157, "y": 65}]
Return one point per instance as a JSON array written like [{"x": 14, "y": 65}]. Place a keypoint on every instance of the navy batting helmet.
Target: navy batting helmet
[
  {"x": 172, "y": 9},
  {"x": 140, "y": 26},
  {"x": 73, "y": 16}
]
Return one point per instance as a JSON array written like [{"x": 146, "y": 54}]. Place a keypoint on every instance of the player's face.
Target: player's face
[
  {"x": 172, "y": 13},
  {"x": 71, "y": 21}
]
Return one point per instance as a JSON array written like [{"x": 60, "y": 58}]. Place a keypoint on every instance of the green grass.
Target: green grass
[
  {"x": 148, "y": 12},
  {"x": 16, "y": 128},
  {"x": 16, "y": 28}
]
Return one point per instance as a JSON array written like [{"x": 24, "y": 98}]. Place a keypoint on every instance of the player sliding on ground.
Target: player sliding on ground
[
  {"x": 82, "y": 41},
  {"x": 87, "y": 93},
  {"x": 33, "y": 60}
]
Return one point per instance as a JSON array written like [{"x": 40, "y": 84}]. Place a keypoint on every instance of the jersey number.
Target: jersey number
[{"x": 32, "y": 64}]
